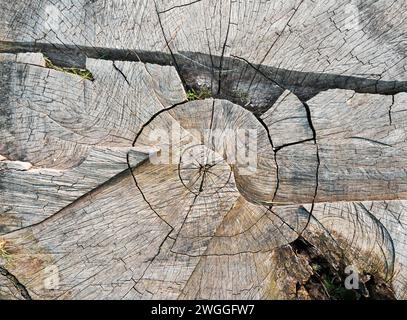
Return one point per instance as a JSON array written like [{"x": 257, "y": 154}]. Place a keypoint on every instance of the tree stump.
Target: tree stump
[{"x": 203, "y": 149}]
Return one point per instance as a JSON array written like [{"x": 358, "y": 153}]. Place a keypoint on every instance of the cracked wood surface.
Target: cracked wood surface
[
  {"x": 85, "y": 189},
  {"x": 364, "y": 38}
]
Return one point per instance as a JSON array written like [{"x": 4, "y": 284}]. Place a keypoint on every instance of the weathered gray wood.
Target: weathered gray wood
[
  {"x": 79, "y": 113},
  {"x": 29, "y": 195},
  {"x": 287, "y": 121},
  {"x": 247, "y": 52},
  {"x": 118, "y": 187},
  {"x": 337, "y": 37},
  {"x": 359, "y": 154},
  {"x": 69, "y": 132},
  {"x": 358, "y": 141},
  {"x": 188, "y": 231}
]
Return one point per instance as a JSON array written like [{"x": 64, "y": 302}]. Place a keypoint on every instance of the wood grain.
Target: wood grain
[{"x": 210, "y": 140}]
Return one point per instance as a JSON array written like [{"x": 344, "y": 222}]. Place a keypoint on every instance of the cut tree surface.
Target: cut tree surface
[{"x": 294, "y": 167}]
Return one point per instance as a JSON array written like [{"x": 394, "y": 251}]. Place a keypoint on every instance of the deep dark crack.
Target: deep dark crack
[
  {"x": 17, "y": 284},
  {"x": 209, "y": 68}
]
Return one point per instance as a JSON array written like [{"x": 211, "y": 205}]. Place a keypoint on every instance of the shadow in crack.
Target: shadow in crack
[{"x": 255, "y": 87}]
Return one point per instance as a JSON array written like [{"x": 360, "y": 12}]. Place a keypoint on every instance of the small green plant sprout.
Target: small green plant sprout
[
  {"x": 336, "y": 291},
  {"x": 4, "y": 253},
  {"x": 201, "y": 94},
  {"x": 243, "y": 97},
  {"x": 316, "y": 267},
  {"x": 83, "y": 73}
]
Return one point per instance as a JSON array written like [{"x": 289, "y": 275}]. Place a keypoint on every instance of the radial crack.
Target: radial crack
[{"x": 17, "y": 284}]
